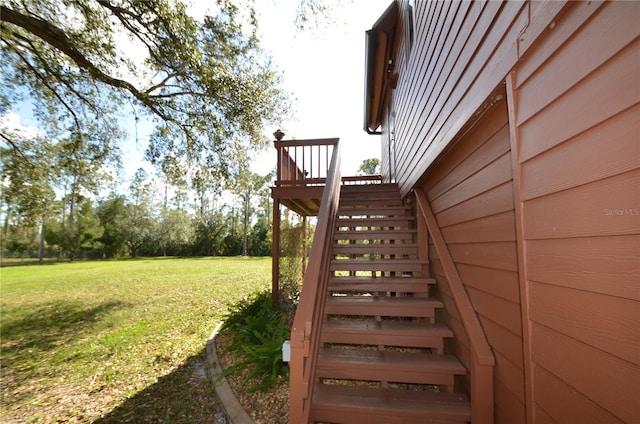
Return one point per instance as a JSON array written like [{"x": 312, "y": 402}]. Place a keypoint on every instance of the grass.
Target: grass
[{"x": 115, "y": 341}]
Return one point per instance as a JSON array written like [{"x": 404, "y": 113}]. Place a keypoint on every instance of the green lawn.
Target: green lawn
[{"x": 115, "y": 341}]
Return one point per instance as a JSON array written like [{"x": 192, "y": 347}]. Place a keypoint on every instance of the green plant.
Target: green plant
[{"x": 258, "y": 329}]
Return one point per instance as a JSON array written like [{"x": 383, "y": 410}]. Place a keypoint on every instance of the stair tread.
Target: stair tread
[
  {"x": 374, "y": 405},
  {"x": 390, "y": 280},
  {"x": 393, "y": 327},
  {"x": 415, "y": 361},
  {"x": 377, "y": 300}
]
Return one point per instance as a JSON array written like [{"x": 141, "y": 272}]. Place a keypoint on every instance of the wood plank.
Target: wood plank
[
  {"x": 471, "y": 91},
  {"x": 385, "y": 333},
  {"x": 605, "y": 150},
  {"x": 505, "y": 342},
  {"x": 461, "y": 48},
  {"x": 332, "y": 403},
  {"x": 601, "y": 265},
  {"x": 398, "y": 235},
  {"x": 500, "y": 311},
  {"x": 492, "y": 202},
  {"x": 398, "y": 367},
  {"x": 596, "y": 374},
  {"x": 500, "y": 283},
  {"x": 611, "y": 84},
  {"x": 386, "y": 306},
  {"x": 499, "y": 255},
  {"x": 508, "y": 408},
  {"x": 565, "y": 403},
  {"x": 397, "y": 221},
  {"x": 487, "y": 143},
  {"x": 374, "y": 284},
  {"x": 574, "y": 15},
  {"x": 375, "y": 211},
  {"x": 385, "y": 265},
  {"x": 376, "y": 249},
  {"x": 499, "y": 227},
  {"x": 606, "y": 207},
  {"x": 579, "y": 56},
  {"x": 609, "y": 323},
  {"x": 489, "y": 177},
  {"x": 510, "y": 375}
]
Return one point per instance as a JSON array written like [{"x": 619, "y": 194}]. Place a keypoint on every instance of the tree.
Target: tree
[
  {"x": 112, "y": 218},
  {"x": 370, "y": 167},
  {"x": 29, "y": 177},
  {"x": 138, "y": 213},
  {"x": 206, "y": 85},
  {"x": 247, "y": 185}
]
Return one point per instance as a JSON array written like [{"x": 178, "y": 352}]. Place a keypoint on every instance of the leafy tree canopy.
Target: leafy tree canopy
[
  {"x": 370, "y": 167},
  {"x": 205, "y": 83}
]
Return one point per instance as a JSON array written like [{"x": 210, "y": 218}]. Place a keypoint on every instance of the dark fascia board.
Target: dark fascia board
[{"x": 385, "y": 24}]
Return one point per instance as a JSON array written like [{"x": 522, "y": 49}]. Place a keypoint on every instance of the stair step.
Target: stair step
[
  {"x": 385, "y": 333},
  {"x": 403, "y": 234},
  {"x": 396, "y": 221},
  {"x": 377, "y": 284},
  {"x": 397, "y": 367},
  {"x": 375, "y": 211},
  {"x": 387, "y": 306},
  {"x": 354, "y": 189},
  {"x": 369, "y": 199},
  {"x": 355, "y": 405},
  {"x": 382, "y": 265},
  {"x": 376, "y": 249}
]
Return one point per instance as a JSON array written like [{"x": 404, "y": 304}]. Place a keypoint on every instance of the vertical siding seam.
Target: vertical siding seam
[{"x": 521, "y": 250}]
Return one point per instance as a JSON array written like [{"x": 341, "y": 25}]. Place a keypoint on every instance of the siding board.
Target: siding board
[
  {"x": 615, "y": 383},
  {"x": 494, "y": 201},
  {"x": 497, "y": 144},
  {"x": 579, "y": 56},
  {"x": 606, "y": 207},
  {"x": 465, "y": 100},
  {"x": 598, "y": 97},
  {"x": 498, "y": 227},
  {"x": 607, "y": 266},
  {"x": 500, "y": 311},
  {"x": 574, "y": 163},
  {"x": 605, "y": 322},
  {"x": 496, "y": 173},
  {"x": 499, "y": 255},
  {"x": 511, "y": 409},
  {"x": 566, "y": 404},
  {"x": 567, "y": 23},
  {"x": 500, "y": 283}
]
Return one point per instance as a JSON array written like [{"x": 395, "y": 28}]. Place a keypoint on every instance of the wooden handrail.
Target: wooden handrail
[
  {"x": 482, "y": 359},
  {"x": 305, "y": 333}
]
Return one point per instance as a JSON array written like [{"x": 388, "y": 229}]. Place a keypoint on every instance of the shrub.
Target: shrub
[{"x": 257, "y": 329}]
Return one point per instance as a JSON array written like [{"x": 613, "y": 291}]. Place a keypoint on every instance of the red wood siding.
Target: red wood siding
[
  {"x": 471, "y": 193},
  {"x": 462, "y": 51},
  {"x": 576, "y": 119}
]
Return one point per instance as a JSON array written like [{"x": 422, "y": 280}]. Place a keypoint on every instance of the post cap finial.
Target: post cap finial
[{"x": 278, "y": 135}]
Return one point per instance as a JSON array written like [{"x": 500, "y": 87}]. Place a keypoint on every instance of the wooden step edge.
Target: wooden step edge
[
  {"x": 407, "y": 361},
  {"x": 373, "y": 405}
]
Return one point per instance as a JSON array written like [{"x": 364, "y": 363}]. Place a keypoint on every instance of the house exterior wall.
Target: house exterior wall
[
  {"x": 575, "y": 122},
  {"x": 536, "y": 195}
]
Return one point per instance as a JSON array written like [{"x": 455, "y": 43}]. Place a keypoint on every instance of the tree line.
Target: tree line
[{"x": 149, "y": 218}]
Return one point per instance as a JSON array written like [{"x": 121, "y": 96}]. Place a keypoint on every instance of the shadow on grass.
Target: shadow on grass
[
  {"x": 48, "y": 325},
  {"x": 184, "y": 396}
]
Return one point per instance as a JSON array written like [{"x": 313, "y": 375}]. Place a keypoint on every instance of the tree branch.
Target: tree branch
[{"x": 57, "y": 38}]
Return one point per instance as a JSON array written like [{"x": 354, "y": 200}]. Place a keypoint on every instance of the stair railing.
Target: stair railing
[
  {"x": 305, "y": 333},
  {"x": 482, "y": 360}
]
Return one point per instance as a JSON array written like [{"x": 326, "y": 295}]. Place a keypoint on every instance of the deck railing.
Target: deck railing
[
  {"x": 482, "y": 360},
  {"x": 305, "y": 333},
  {"x": 304, "y": 162}
]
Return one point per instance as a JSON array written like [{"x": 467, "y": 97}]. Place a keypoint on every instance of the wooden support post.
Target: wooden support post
[
  {"x": 304, "y": 245},
  {"x": 275, "y": 253}
]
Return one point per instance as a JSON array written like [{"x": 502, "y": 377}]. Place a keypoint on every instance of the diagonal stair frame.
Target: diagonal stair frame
[{"x": 382, "y": 357}]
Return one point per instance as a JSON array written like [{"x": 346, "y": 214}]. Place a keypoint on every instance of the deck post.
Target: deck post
[{"x": 275, "y": 253}]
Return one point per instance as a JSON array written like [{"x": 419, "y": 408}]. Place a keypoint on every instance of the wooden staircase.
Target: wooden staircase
[{"x": 381, "y": 357}]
